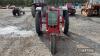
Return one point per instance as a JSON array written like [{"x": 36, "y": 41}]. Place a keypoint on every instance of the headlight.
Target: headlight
[{"x": 39, "y": 8}]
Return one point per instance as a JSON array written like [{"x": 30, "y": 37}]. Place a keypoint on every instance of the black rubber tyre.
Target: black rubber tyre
[
  {"x": 66, "y": 21},
  {"x": 18, "y": 13},
  {"x": 53, "y": 45},
  {"x": 14, "y": 13},
  {"x": 37, "y": 23},
  {"x": 23, "y": 12},
  {"x": 74, "y": 11},
  {"x": 72, "y": 14}
]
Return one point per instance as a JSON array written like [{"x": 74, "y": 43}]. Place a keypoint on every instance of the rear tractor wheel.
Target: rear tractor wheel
[
  {"x": 66, "y": 22},
  {"x": 38, "y": 24}
]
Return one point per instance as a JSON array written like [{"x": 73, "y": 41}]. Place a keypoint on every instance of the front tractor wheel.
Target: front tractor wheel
[
  {"x": 53, "y": 45},
  {"x": 16, "y": 12},
  {"x": 85, "y": 13},
  {"x": 38, "y": 22},
  {"x": 73, "y": 12}
]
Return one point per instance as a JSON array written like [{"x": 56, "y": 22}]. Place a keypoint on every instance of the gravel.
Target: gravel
[{"x": 18, "y": 37}]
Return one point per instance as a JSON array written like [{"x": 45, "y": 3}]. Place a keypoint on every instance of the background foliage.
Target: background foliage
[{"x": 29, "y": 2}]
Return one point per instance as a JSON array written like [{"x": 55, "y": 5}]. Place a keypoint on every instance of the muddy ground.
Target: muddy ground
[{"x": 18, "y": 36}]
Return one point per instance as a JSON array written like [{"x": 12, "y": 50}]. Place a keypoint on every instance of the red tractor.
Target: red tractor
[{"x": 55, "y": 19}]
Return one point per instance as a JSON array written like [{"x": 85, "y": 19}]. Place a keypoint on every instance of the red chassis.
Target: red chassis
[
  {"x": 53, "y": 22},
  {"x": 54, "y": 29}
]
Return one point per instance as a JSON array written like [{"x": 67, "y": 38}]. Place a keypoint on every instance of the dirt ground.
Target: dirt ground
[{"x": 18, "y": 36}]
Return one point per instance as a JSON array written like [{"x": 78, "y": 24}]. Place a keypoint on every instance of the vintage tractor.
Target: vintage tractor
[
  {"x": 90, "y": 8},
  {"x": 17, "y": 11},
  {"x": 56, "y": 20}
]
